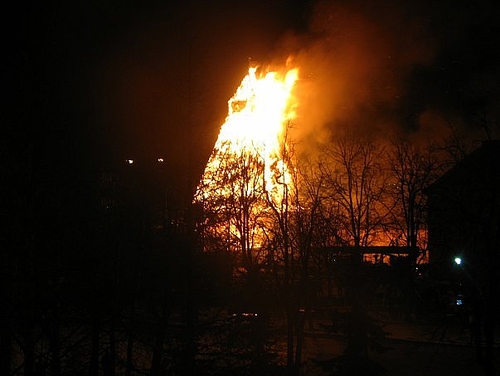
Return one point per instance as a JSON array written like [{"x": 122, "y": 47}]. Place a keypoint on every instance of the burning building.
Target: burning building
[{"x": 246, "y": 168}]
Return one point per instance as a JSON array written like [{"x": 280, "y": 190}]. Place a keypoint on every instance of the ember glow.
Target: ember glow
[{"x": 246, "y": 167}]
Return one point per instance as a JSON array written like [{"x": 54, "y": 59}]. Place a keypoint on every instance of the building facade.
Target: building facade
[{"x": 464, "y": 216}]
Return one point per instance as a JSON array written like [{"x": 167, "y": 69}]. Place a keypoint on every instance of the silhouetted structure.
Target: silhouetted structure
[
  {"x": 464, "y": 222},
  {"x": 388, "y": 255},
  {"x": 463, "y": 208}
]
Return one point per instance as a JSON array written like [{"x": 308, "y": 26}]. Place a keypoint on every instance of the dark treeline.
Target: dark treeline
[{"x": 110, "y": 270}]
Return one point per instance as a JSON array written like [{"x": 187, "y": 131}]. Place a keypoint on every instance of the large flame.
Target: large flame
[
  {"x": 258, "y": 115},
  {"x": 258, "y": 112},
  {"x": 247, "y": 160}
]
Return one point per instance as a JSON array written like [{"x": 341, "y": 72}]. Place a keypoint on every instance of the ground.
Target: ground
[{"x": 414, "y": 347}]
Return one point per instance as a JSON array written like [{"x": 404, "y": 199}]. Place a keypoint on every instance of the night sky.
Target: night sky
[{"x": 103, "y": 80}]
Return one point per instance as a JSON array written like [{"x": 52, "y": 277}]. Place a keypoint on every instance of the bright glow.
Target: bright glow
[
  {"x": 247, "y": 159},
  {"x": 258, "y": 111},
  {"x": 160, "y": 160},
  {"x": 129, "y": 161},
  {"x": 257, "y": 117},
  {"x": 458, "y": 260}
]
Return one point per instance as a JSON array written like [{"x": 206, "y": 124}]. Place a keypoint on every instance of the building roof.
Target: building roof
[{"x": 481, "y": 168}]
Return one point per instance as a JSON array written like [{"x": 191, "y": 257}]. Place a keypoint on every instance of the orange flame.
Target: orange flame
[
  {"x": 258, "y": 114},
  {"x": 246, "y": 167}
]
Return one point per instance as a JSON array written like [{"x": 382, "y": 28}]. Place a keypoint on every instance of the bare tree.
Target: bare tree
[
  {"x": 355, "y": 182},
  {"x": 412, "y": 169},
  {"x": 294, "y": 210},
  {"x": 353, "y": 196},
  {"x": 231, "y": 194}
]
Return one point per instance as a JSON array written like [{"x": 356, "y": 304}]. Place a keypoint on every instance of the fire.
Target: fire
[
  {"x": 246, "y": 165},
  {"x": 258, "y": 114}
]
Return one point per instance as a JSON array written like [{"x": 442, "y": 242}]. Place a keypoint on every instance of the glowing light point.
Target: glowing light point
[
  {"x": 129, "y": 161},
  {"x": 458, "y": 261}
]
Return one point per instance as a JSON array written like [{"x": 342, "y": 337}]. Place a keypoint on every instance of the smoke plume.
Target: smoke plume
[{"x": 383, "y": 66}]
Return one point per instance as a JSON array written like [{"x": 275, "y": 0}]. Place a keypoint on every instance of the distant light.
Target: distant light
[
  {"x": 160, "y": 160},
  {"x": 458, "y": 260},
  {"x": 129, "y": 161}
]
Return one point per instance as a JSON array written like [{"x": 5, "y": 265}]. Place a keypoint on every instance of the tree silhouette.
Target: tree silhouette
[
  {"x": 412, "y": 169},
  {"x": 231, "y": 196},
  {"x": 355, "y": 183}
]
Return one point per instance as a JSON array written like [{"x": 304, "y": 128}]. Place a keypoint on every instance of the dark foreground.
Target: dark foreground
[
  {"x": 403, "y": 358},
  {"x": 411, "y": 349}
]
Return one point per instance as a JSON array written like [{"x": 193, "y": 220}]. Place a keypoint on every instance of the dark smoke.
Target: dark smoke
[{"x": 397, "y": 65}]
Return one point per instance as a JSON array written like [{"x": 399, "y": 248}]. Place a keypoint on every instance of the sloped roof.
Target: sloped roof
[{"x": 479, "y": 168}]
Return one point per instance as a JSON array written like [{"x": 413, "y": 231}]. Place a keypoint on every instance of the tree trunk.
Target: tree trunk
[
  {"x": 29, "y": 348},
  {"x": 290, "y": 341},
  {"x": 55, "y": 346},
  {"x": 300, "y": 340},
  {"x": 160, "y": 338},
  {"x": 158, "y": 350},
  {"x": 94, "y": 352},
  {"x": 112, "y": 349},
  {"x": 130, "y": 347}
]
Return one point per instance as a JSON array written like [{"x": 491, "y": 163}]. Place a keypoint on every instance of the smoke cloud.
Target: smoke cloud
[
  {"x": 384, "y": 67},
  {"x": 354, "y": 61}
]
